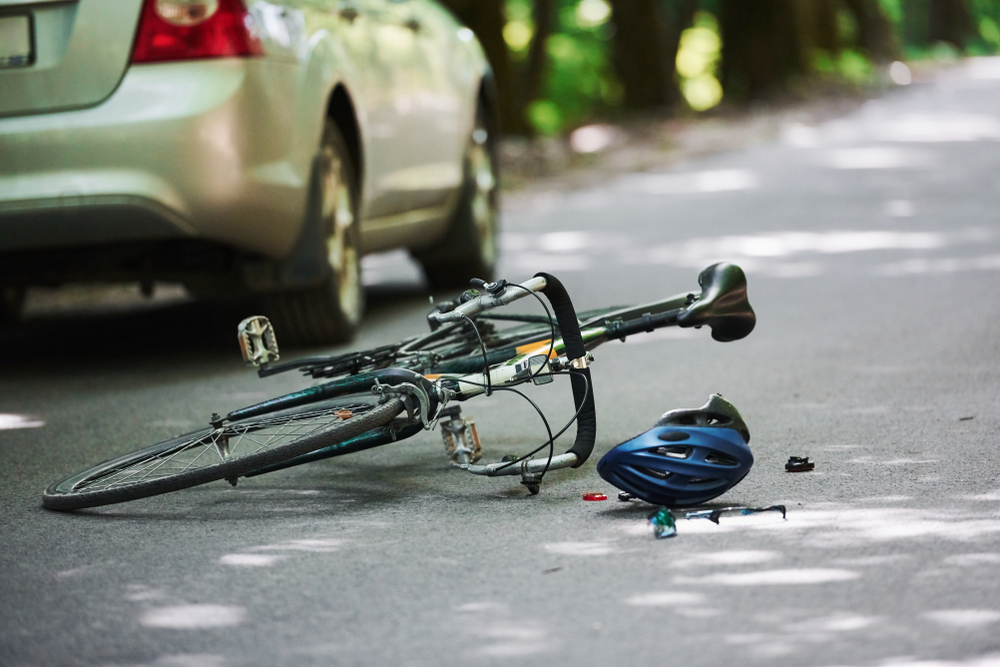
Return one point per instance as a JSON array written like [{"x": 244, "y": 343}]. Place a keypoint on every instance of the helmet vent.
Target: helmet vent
[
  {"x": 717, "y": 419},
  {"x": 659, "y": 474},
  {"x": 716, "y": 458},
  {"x": 674, "y": 451}
]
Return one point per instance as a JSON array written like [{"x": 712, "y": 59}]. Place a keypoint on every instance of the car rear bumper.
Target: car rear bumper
[{"x": 182, "y": 150}]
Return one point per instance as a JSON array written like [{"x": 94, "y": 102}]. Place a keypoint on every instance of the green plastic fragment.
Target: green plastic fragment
[{"x": 663, "y": 523}]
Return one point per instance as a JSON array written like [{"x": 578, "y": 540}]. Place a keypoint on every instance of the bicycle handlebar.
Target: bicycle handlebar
[
  {"x": 583, "y": 386},
  {"x": 498, "y": 294}
]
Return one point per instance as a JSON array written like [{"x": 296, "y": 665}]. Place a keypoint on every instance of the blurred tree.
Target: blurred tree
[
  {"x": 818, "y": 25},
  {"x": 875, "y": 35},
  {"x": 558, "y": 63},
  {"x": 533, "y": 73},
  {"x": 762, "y": 48},
  {"x": 647, "y": 34},
  {"x": 950, "y": 21}
]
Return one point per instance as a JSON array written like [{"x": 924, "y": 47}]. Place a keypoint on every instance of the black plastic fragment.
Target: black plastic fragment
[{"x": 799, "y": 464}]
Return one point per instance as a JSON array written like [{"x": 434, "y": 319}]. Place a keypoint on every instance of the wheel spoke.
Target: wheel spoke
[{"x": 245, "y": 439}]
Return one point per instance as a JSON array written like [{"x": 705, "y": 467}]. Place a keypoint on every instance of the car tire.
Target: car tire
[
  {"x": 470, "y": 248},
  {"x": 328, "y": 313},
  {"x": 11, "y": 304}
]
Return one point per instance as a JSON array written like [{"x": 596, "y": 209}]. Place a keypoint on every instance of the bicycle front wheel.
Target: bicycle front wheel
[{"x": 226, "y": 452}]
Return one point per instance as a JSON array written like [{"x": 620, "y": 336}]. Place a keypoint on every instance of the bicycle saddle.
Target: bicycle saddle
[{"x": 722, "y": 305}]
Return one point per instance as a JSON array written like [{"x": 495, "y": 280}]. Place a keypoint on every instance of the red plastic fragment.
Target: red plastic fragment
[{"x": 595, "y": 496}]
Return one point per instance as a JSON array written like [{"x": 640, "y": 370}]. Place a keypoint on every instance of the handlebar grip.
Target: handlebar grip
[{"x": 583, "y": 386}]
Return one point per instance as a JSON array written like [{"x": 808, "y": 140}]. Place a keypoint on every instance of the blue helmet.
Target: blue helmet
[{"x": 687, "y": 458}]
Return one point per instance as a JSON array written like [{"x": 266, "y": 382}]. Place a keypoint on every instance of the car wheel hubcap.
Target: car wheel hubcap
[
  {"x": 484, "y": 181},
  {"x": 341, "y": 252}
]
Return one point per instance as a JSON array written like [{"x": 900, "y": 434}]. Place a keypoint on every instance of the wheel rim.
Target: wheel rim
[
  {"x": 187, "y": 454},
  {"x": 341, "y": 251},
  {"x": 484, "y": 211}
]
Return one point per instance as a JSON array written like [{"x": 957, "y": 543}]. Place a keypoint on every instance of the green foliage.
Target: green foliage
[
  {"x": 580, "y": 83},
  {"x": 854, "y": 66},
  {"x": 579, "y": 80},
  {"x": 850, "y": 65},
  {"x": 697, "y": 62}
]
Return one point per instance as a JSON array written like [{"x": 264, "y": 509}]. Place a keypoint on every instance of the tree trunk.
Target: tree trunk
[
  {"x": 761, "y": 47},
  {"x": 875, "y": 34},
  {"x": 949, "y": 21},
  {"x": 639, "y": 54},
  {"x": 676, "y": 17},
  {"x": 817, "y": 25},
  {"x": 533, "y": 75}
]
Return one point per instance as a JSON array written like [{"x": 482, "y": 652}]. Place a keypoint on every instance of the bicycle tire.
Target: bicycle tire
[{"x": 268, "y": 439}]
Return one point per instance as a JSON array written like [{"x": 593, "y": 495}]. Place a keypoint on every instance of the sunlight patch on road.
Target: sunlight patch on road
[
  {"x": 511, "y": 639},
  {"x": 964, "y": 618},
  {"x": 140, "y": 593},
  {"x": 189, "y": 660},
  {"x": 478, "y": 607},
  {"x": 983, "y": 68},
  {"x": 899, "y": 208},
  {"x": 250, "y": 560},
  {"x": 580, "y": 548},
  {"x": 10, "y": 422},
  {"x": 736, "y": 557},
  {"x": 875, "y": 157},
  {"x": 984, "y": 661},
  {"x": 789, "y": 577},
  {"x": 193, "y": 617},
  {"x": 778, "y": 254},
  {"x": 314, "y": 546},
  {"x": 722, "y": 180},
  {"x": 927, "y": 265},
  {"x": 665, "y": 599},
  {"x": 940, "y": 128},
  {"x": 699, "y": 251},
  {"x": 973, "y": 560}
]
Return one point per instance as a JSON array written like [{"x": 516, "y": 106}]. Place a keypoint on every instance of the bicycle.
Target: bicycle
[{"x": 390, "y": 393}]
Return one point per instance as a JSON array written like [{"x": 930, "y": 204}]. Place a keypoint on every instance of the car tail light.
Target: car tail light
[{"x": 189, "y": 29}]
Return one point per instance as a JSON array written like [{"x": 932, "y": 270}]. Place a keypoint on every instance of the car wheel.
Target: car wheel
[
  {"x": 330, "y": 312},
  {"x": 470, "y": 248}
]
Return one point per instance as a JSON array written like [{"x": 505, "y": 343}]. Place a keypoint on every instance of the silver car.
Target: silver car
[{"x": 243, "y": 149}]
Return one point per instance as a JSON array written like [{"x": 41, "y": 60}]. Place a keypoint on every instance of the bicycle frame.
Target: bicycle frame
[{"x": 427, "y": 382}]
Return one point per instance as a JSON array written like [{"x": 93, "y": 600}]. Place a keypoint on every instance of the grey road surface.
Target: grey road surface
[{"x": 872, "y": 247}]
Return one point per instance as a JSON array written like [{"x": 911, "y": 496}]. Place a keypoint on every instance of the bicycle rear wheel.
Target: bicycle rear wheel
[{"x": 227, "y": 452}]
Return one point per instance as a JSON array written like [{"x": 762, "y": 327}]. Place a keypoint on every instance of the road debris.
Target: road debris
[
  {"x": 799, "y": 464},
  {"x": 714, "y": 514},
  {"x": 663, "y": 523}
]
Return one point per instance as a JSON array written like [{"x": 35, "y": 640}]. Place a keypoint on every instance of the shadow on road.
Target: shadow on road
[{"x": 79, "y": 339}]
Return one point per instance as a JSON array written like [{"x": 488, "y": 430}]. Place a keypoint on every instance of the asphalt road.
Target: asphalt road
[{"x": 872, "y": 248}]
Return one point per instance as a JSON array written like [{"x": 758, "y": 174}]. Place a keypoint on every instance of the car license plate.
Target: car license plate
[{"x": 15, "y": 41}]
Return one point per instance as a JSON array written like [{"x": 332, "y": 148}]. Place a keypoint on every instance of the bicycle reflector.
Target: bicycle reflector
[{"x": 171, "y": 30}]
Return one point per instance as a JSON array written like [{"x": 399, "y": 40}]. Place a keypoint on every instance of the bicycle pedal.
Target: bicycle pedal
[
  {"x": 461, "y": 440},
  {"x": 258, "y": 343}
]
